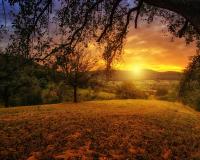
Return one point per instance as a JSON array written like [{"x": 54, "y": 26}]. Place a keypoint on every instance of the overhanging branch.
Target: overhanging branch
[
  {"x": 77, "y": 31},
  {"x": 181, "y": 32},
  {"x": 4, "y": 12},
  {"x": 138, "y": 12},
  {"x": 109, "y": 25}
]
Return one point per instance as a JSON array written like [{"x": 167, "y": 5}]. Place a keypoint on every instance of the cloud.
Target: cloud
[{"x": 151, "y": 46}]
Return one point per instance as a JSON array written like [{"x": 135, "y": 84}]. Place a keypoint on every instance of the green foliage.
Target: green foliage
[
  {"x": 172, "y": 95},
  {"x": 105, "y": 96},
  {"x": 127, "y": 90},
  {"x": 161, "y": 92},
  {"x": 49, "y": 95},
  {"x": 192, "y": 98},
  {"x": 23, "y": 82},
  {"x": 168, "y": 94},
  {"x": 28, "y": 94},
  {"x": 55, "y": 93},
  {"x": 190, "y": 84},
  {"x": 89, "y": 94}
]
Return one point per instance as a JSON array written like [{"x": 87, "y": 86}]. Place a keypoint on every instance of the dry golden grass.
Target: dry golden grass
[{"x": 116, "y": 129}]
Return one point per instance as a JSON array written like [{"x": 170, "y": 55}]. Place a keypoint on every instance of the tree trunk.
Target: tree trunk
[
  {"x": 189, "y": 9},
  {"x": 6, "y": 102},
  {"x": 108, "y": 71},
  {"x": 75, "y": 93},
  {"x": 6, "y": 98}
]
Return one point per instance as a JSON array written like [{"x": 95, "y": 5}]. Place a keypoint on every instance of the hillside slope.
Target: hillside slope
[{"x": 117, "y": 129}]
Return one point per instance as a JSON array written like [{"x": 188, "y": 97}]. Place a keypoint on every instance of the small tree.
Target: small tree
[
  {"x": 18, "y": 82},
  {"x": 76, "y": 64},
  {"x": 9, "y": 74}
]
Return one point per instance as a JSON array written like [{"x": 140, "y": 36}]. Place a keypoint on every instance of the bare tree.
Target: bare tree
[{"x": 76, "y": 65}]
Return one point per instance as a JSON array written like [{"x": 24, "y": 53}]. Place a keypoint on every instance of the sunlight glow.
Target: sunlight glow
[
  {"x": 165, "y": 68},
  {"x": 137, "y": 69}
]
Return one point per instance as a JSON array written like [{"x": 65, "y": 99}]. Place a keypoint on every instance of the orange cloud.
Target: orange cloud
[{"x": 152, "y": 48}]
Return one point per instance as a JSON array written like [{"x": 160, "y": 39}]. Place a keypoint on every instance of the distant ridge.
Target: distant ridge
[{"x": 146, "y": 74}]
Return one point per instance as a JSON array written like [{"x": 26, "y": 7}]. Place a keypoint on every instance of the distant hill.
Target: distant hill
[{"x": 123, "y": 75}]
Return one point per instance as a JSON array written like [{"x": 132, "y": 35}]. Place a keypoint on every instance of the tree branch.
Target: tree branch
[
  {"x": 4, "y": 12},
  {"x": 181, "y": 32},
  {"x": 75, "y": 32},
  {"x": 128, "y": 17},
  {"x": 42, "y": 12},
  {"x": 110, "y": 20},
  {"x": 189, "y": 9},
  {"x": 138, "y": 12}
]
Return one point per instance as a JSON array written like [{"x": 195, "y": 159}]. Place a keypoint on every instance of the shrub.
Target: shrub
[
  {"x": 49, "y": 95},
  {"x": 56, "y": 93},
  {"x": 161, "y": 92},
  {"x": 105, "y": 95},
  {"x": 63, "y": 92},
  {"x": 85, "y": 94},
  {"x": 127, "y": 90},
  {"x": 28, "y": 94},
  {"x": 89, "y": 94},
  {"x": 192, "y": 98}
]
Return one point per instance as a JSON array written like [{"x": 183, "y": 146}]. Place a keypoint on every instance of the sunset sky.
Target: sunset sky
[{"x": 151, "y": 47}]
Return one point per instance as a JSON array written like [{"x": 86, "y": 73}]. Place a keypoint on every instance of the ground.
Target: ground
[{"x": 115, "y": 129}]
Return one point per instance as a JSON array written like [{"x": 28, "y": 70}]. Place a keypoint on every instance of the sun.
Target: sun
[{"x": 137, "y": 69}]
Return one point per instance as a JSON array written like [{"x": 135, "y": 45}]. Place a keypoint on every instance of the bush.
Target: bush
[
  {"x": 127, "y": 90},
  {"x": 85, "y": 94},
  {"x": 105, "y": 96},
  {"x": 89, "y": 94},
  {"x": 56, "y": 93},
  {"x": 161, "y": 92},
  {"x": 28, "y": 94},
  {"x": 192, "y": 98},
  {"x": 50, "y": 95}
]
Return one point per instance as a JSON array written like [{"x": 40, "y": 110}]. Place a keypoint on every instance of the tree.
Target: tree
[
  {"x": 22, "y": 49},
  {"x": 189, "y": 92},
  {"x": 8, "y": 73},
  {"x": 189, "y": 9},
  {"x": 76, "y": 66},
  {"x": 18, "y": 86}
]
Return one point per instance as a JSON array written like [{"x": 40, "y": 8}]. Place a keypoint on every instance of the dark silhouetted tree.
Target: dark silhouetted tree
[{"x": 189, "y": 91}]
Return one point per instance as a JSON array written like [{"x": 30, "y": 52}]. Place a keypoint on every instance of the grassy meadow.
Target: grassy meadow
[{"x": 110, "y": 129}]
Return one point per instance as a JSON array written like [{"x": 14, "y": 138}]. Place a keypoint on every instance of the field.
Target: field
[
  {"x": 115, "y": 129},
  {"x": 107, "y": 90}
]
